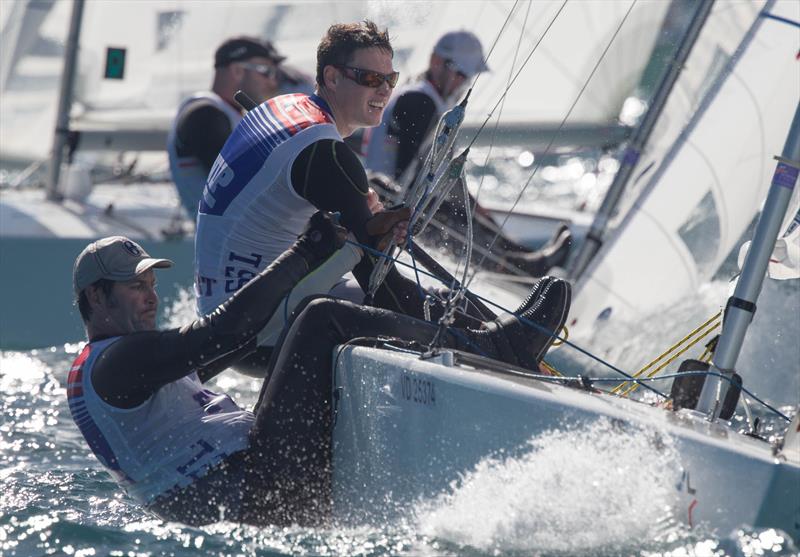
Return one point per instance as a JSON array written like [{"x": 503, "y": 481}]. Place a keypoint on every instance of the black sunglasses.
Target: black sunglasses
[
  {"x": 368, "y": 78},
  {"x": 264, "y": 69}
]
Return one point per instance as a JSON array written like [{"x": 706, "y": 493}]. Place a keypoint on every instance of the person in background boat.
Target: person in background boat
[
  {"x": 393, "y": 153},
  {"x": 206, "y": 119},
  {"x": 286, "y": 160},
  {"x": 192, "y": 455}
]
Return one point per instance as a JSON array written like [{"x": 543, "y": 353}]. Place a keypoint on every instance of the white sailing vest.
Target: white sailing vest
[
  {"x": 380, "y": 151},
  {"x": 168, "y": 441},
  {"x": 250, "y": 213},
  {"x": 188, "y": 172}
]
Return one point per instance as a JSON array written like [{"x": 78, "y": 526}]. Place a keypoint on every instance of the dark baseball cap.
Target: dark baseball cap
[{"x": 244, "y": 48}]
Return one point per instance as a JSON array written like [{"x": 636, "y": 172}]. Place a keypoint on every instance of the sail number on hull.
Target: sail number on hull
[{"x": 418, "y": 390}]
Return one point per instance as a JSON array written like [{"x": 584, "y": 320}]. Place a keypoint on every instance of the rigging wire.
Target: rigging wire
[
  {"x": 496, "y": 40},
  {"x": 558, "y": 130},
  {"x": 527, "y": 322},
  {"x": 641, "y": 380},
  {"x": 502, "y": 105},
  {"x": 425, "y": 184},
  {"x": 524, "y": 63}
]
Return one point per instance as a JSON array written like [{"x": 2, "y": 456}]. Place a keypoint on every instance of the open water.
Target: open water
[{"x": 592, "y": 492}]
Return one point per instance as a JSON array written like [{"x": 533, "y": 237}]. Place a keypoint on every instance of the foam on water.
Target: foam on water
[
  {"x": 595, "y": 489},
  {"x": 584, "y": 493}
]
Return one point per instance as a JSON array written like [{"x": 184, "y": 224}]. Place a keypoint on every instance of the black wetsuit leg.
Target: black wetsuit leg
[{"x": 290, "y": 454}]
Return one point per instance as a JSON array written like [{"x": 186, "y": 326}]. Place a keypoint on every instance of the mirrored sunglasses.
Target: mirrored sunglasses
[
  {"x": 264, "y": 69},
  {"x": 368, "y": 78}
]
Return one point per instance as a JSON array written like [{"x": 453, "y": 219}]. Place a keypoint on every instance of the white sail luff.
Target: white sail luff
[{"x": 708, "y": 182}]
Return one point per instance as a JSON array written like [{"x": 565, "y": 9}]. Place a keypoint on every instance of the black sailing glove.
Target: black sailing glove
[
  {"x": 321, "y": 238},
  {"x": 386, "y": 225}
]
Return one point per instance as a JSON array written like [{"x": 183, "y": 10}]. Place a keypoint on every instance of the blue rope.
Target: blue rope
[
  {"x": 767, "y": 15},
  {"x": 641, "y": 381},
  {"x": 726, "y": 378},
  {"x": 529, "y": 323}
]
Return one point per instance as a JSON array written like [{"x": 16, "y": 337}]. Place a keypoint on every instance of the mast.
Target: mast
[
  {"x": 742, "y": 305},
  {"x": 65, "y": 95},
  {"x": 639, "y": 138}
]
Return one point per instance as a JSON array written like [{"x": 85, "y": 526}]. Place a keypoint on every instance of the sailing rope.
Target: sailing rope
[
  {"x": 438, "y": 176},
  {"x": 556, "y": 376},
  {"x": 672, "y": 353},
  {"x": 430, "y": 185}
]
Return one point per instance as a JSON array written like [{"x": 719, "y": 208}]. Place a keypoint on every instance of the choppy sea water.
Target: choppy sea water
[
  {"x": 573, "y": 493},
  {"x": 594, "y": 492}
]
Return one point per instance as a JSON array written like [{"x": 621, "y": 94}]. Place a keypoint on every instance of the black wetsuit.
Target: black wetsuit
[
  {"x": 201, "y": 131},
  {"x": 284, "y": 475},
  {"x": 329, "y": 175}
]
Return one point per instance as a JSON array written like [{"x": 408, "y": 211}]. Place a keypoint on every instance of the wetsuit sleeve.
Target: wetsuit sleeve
[
  {"x": 329, "y": 175},
  {"x": 412, "y": 119},
  {"x": 201, "y": 132},
  {"x": 131, "y": 369}
]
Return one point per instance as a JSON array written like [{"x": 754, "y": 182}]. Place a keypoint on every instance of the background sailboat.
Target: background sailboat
[{"x": 703, "y": 176}]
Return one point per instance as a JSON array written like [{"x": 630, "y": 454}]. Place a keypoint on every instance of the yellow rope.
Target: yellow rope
[
  {"x": 564, "y": 337},
  {"x": 635, "y": 386},
  {"x": 711, "y": 345},
  {"x": 666, "y": 354},
  {"x": 550, "y": 369}
]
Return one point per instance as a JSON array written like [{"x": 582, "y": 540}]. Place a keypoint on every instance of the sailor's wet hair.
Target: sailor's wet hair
[{"x": 343, "y": 39}]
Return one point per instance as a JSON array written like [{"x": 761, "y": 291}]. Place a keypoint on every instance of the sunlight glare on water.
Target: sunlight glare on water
[{"x": 576, "y": 493}]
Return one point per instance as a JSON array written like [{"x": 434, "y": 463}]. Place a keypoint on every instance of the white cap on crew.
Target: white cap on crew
[{"x": 464, "y": 50}]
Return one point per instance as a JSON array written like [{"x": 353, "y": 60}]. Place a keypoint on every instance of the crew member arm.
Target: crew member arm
[
  {"x": 329, "y": 175},
  {"x": 131, "y": 369},
  {"x": 201, "y": 132},
  {"x": 412, "y": 119}
]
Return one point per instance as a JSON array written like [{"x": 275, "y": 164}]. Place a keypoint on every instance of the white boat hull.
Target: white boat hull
[{"x": 406, "y": 428}]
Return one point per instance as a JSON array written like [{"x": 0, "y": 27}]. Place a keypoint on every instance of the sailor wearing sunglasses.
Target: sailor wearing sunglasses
[
  {"x": 286, "y": 160},
  {"x": 206, "y": 119}
]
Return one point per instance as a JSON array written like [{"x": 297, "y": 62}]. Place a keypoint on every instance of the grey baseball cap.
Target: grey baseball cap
[
  {"x": 464, "y": 50},
  {"x": 113, "y": 258}
]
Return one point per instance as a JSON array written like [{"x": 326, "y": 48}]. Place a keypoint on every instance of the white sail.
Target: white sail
[
  {"x": 169, "y": 48},
  {"x": 704, "y": 176},
  {"x": 560, "y": 66},
  {"x": 31, "y": 54}
]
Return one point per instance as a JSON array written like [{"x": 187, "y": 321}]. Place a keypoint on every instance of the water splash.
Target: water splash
[
  {"x": 572, "y": 491},
  {"x": 180, "y": 310}
]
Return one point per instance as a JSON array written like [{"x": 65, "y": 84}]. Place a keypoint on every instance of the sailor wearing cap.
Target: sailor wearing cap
[
  {"x": 192, "y": 455},
  {"x": 206, "y": 119},
  {"x": 416, "y": 107},
  {"x": 136, "y": 393},
  {"x": 394, "y": 151}
]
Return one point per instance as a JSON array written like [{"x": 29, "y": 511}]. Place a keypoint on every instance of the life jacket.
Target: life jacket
[
  {"x": 168, "y": 441},
  {"x": 188, "y": 172},
  {"x": 250, "y": 212}
]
